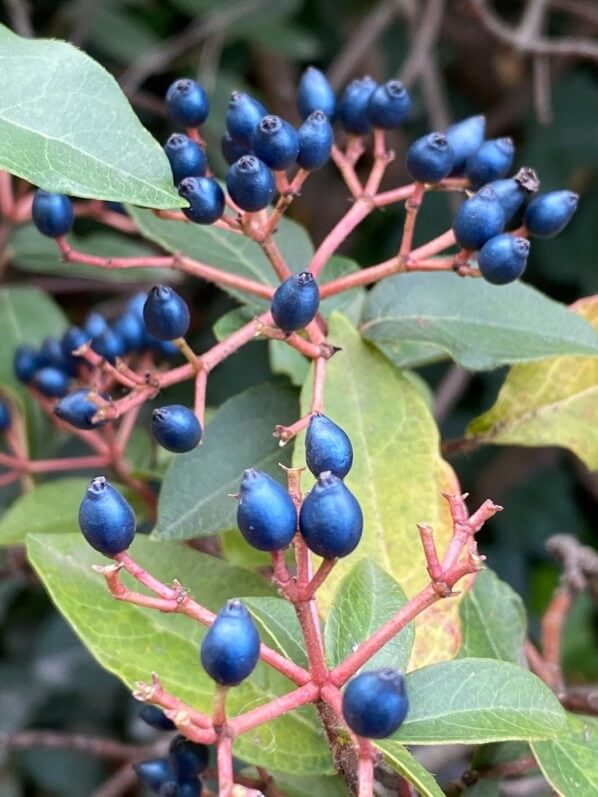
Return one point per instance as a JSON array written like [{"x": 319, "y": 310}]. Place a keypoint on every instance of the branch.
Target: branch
[{"x": 56, "y": 740}]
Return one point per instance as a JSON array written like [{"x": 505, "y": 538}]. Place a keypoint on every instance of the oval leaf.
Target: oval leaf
[
  {"x": 570, "y": 763},
  {"x": 398, "y": 757}
]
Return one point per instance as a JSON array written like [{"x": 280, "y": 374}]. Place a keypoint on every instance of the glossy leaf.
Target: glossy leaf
[
  {"x": 570, "y": 763},
  {"x": 49, "y": 509},
  {"x": 399, "y": 758},
  {"x": 279, "y": 627}
]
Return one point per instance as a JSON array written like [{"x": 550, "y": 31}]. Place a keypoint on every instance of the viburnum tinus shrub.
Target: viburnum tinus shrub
[{"x": 345, "y": 612}]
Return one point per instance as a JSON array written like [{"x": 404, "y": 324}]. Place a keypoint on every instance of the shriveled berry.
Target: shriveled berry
[
  {"x": 490, "y": 162},
  {"x": 231, "y": 151},
  {"x": 330, "y": 519},
  {"x": 250, "y": 184},
  {"x": 25, "y": 363},
  {"x": 315, "y": 137},
  {"x": 315, "y": 94},
  {"x": 78, "y": 409},
  {"x": 188, "y": 759},
  {"x": 275, "y": 142},
  {"x": 52, "y": 213},
  {"x": 187, "y": 103},
  {"x": 176, "y": 428},
  {"x": 295, "y": 302},
  {"x": 156, "y": 718},
  {"x": 231, "y": 648},
  {"x": 109, "y": 345},
  {"x": 243, "y": 116},
  {"x": 503, "y": 259},
  {"x": 465, "y": 138},
  {"x": 479, "y": 218},
  {"x": 430, "y": 158},
  {"x": 4, "y": 416},
  {"x": 547, "y": 215},
  {"x": 353, "y": 106},
  {"x": 327, "y": 447},
  {"x": 51, "y": 382},
  {"x": 154, "y": 773},
  {"x": 166, "y": 314},
  {"x": 106, "y": 518},
  {"x": 266, "y": 515},
  {"x": 94, "y": 325},
  {"x": 186, "y": 157},
  {"x": 389, "y": 105},
  {"x": 205, "y": 198},
  {"x": 375, "y": 703}
]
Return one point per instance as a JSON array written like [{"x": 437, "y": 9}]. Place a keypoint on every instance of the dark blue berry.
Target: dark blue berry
[
  {"x": 231, "y": 151},
  {"x": 106, "y": 518},
  {"x": 503, "y": 258},
  {"x": 315, "y": 94},
  {"x": 78, "y": 409},
  {"x": 187, "y": 104},
  {"x": 109, "y": 345},
  {"x": 164, "y": 348},
  {"x": 205, "y": 198},
  {"x": 176, "y": 428},
  {"x": 275, "y": 142},
  {"x": 430, "y": 158},
  {"x": 166, "y": 314},
  {"x": 51, "y": 354},
  {"x": 243, "y": 116},
  {"x": 181, "y": 788},
  {"x": 156, "y": 718},
  {"x": 315, "y": 137},
  {"x": 266, "y": 515},
  {"x": 52, "y": 213},
  {"x": 25, "y": 363},
  {"x": 188, "y": 759},
  {"x": 510, "y": 194},
  {"x": 186, "y": 157},
  {"x": 73, "y": 339},
  {"x": 479, "y": 218},
  {"x": 154, "y": 773},
  {"x": 465, "y": 138},
  {"x": 330, "y": 519},
  {"x": 136, "y": 304},
  {"x": 4, "y": 416},
  {"x": 353, "y": 106},
  {"x": 131, "y": 329},
  {"x": 389, "y": 105},
  {"x": 327, "y": 447},
  {"x": 295, "y": 302},
  {"x": 231, "y": 648},
  {"x": 250, "y": 183},
  {"x": 51, "y": 382},
  {"x": 547, "y": 215},
  {"x": 490, "y": 162},
  {"x": 94, "y": 325},
  {"x": 375, "y": 703}
]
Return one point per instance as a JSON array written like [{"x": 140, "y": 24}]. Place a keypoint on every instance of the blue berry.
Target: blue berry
[
  {"x": 187, "y": 103},
  {"x": 465, "y": 138},
  {"x": 250, "y": 183},
  {"x": 315, "y": 94},
  {"x": 4, "y": 416},
  {"x": 327, "y": 447},
  {"x": 188, "y": 759},
  {"x": 330, "y": 519},
  {"x": 547, "y": 215},
  {"x": 503, "y": 258},
  {"x": 25, "y": 363},
  {"x": 131, "y": 329},
  {"x": 106, "y": 518},
  {"x": 95, "y": 324},
  {"x": 52, "y": 213},
  {"x": 186, "y": 157},
  {"x": 73, "y": 339},
  {"x": 136, "y": 304},
  {"x": 375, "y": 703},
  {"x": 315, "y": 137},
  {"x": 243, "y": 116},
  {"x": 109, "y": 345},
  {"x": 51, "y": 354},
  {"x": 231, "y": 648},
  {"x": 295, "y": 302},
  {"x": 51, "y": 382},
  {"x": 164, "y": 348},
  {"x": 266, "y": 515},
  {"x": 510, "y": 194},
  {"x": 156, "y": 718},
  {"x": 490, "y": 162},
  {"x": 154, "y": 773},
  {"x": 78, "y": 409},
  {"x": 181, "y": 788},
  {"x": 205, "y": 198},
  {"x": 275, "y": 142},
  {"x": 166, "y": 314},
  {"x": 430, "y": 158},
  {"x": 231, "y": 151},
  {"x": 479, "y": 218},
  {"x": 353, "y": 106},
  {"x": 176, "y": 428},
  {"x": 389, "y": 105}
]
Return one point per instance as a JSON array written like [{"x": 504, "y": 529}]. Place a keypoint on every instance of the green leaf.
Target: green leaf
[
  {"x": 288, "y": 361},
  {"x": 279, "y": 627},
  {"x": 51, "y": 508},
  {"x": 351, "y": 302},
  {"x": 132, "y": 642},
  {"x": 493, "y": 621},
  {"x": 399, "y": 758},
  {"x": 366, "y": 598},
  {"x": 67, "y": 127},
  {"x": 476, "y": 701},
  {"x": 552, "y": 402},
  {"x": 194, "y": 500},
  {"x": 477, "y": 324},
  {"x": 570, "y": 763},
  {"x": 297, "y": 786}
]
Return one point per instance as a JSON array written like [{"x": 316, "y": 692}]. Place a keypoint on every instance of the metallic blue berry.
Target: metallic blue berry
[
  {"x": 243, "y": 116},
  {"x": 109, "y": 345},
  {"x": 330, "y": 519},
  {"x": 78, "y": 409},
  {"x": 266, "y": 515},
  {"x": 327, "y": 447},
  {"x": 186, "y": 157},
  {"x": 315, "y": 137},
  {"x": 188, "y": 759},
  {"x": 51, "y": 382},
  {"x": 187, "y": 103},
  {"x": 353, "y": 106},
  {"x": 51, "y": 354},
  {"x": 166, "y": 314},
  {"x": 231, "y": 151},
  {"x": 547, "y": 215},
  {"x": 4, "y": 416},
  {"x": 295, "y": 302},
  {"x": 503, "y": 258},
  {"x": 205, "y": 197},
  {"x": 231, "y": 648},
  {"x": 26, "y": 362},
  {"x": 154, "y": 773},
  {"x": 430, "y": 158},
  {"x": 181, "y": 788},
  {"x": 275, "y": 142},
  {"x": 389, "y": 105},
  {"x": 156, "y": 718},
  {"x": 106, "y": 518},
  {"x": 164, "y": 348},
  {"x": 95, "y": 324},
  {"x": 315, "y": 94},
  {"x": 131, "y": 329},
  {"x": 176, "y": 428},
  {"x": 479, "y": 218},
  {"x": 490, "y": 162},
  {"x": 375, "y": 703},
  {"x": 250, "y": 184},
  {"x": 510, "y": 194},
  {"x": 73, "y": 339},
  {"x": 465, "y": 138},
  {"x": 52, "y": 213}
]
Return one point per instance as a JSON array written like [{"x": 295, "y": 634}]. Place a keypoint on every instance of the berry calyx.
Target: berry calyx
[
  {"x": 186, "y": 157},
  {"x": 4, "y": 416},
  {"x": 231, "y": 648},
  {"x": 205, "y": 197},
  {"x": 250, "y": 184},
  {"x": 389, "y": 105},
  {"x": 490, "y": 162},
  {"x": 106, "y": 518},
  {"x": 51, "y": 382},
  {"x": 78, "y": 409},
  {"x": 315, "y": 138},
  {"x": 327, "y": 447},
  {"x": 353, "y": 107},
  {"x": 430, "y": 158},
  {"x": 315, "y": 94},
  {"x": 176, "y": 428},
  {"x": 187, "y": 103},
  {"x": 52, "y": 213},
  {"x": 547, "y": 215},
  {"x": 330, "y": 519},
  {"x": 465, "y": 138},
  {"x": 188, "y": 759},
  {"x": 375, "y": 703},
  {"x": 295, "y": 302},
  {"x": 156, "y": 718},
  {"x": 243, "y": 116},
  {"x": 503, "y": 258},
  {"x": 479, "y": 218},
  {"x": 275, "y": 142},
  {"x": 166, "y": 314},
  {"x": 266, "y": 515}
]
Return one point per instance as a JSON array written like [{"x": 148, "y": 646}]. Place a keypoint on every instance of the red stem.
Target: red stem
[
  {"x": 224, "y": 757},
  {"x": 280, "y": 705}
]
